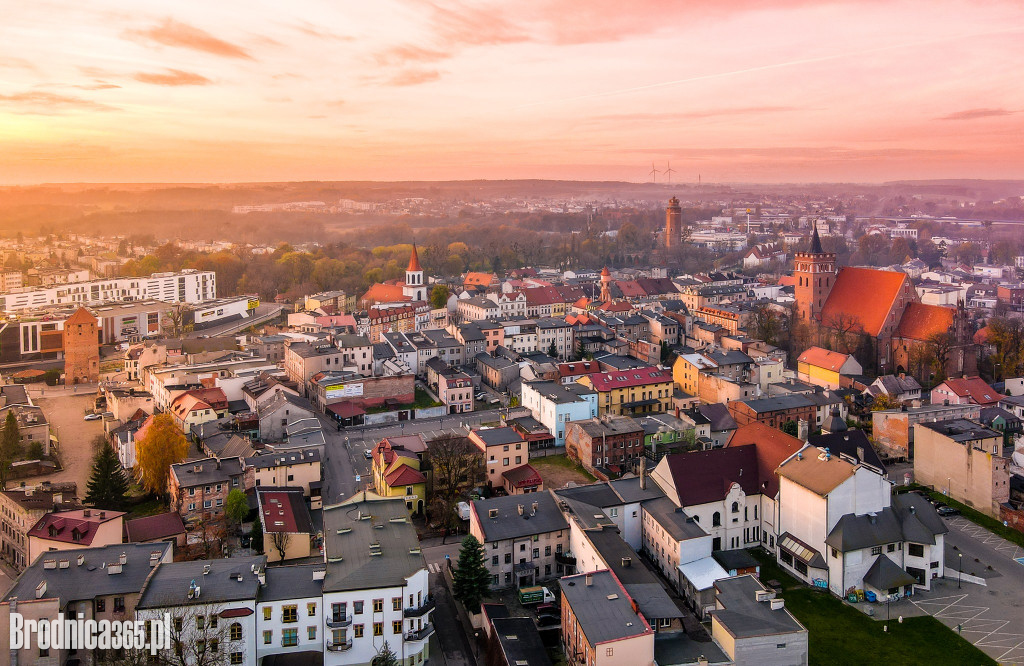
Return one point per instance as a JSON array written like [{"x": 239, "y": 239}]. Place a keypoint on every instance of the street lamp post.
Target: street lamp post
[{"x": 960, "y": 570}]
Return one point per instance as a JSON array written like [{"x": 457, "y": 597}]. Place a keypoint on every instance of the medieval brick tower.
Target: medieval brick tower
[
  {"x": 673, "y": 223},
  {"x": 81, "y": 348},
  {"x": 815, "y": 273}
]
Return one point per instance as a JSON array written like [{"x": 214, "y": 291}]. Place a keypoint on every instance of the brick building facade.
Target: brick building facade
[{"x": 81, "y": 348}]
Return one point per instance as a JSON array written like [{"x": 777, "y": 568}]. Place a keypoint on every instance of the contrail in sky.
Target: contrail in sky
[{"x": 763, "y": 68}]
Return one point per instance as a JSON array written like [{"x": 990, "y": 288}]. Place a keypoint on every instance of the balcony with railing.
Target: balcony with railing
[
  {"x": 419, "y": 611},
  {"x": 340, "y": 647},
  {"x": 420, "y": 635},
  {"x": 339, "y": 621},
  {"x": 565, "y": 559}
]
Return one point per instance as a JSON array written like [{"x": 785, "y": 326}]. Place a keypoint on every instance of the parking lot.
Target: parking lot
[{"x": 990, "y": 616}]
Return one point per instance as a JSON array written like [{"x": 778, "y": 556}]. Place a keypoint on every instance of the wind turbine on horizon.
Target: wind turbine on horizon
[
  {"x": 669, "y": 171},
  {"x": 653, "y": 173}
]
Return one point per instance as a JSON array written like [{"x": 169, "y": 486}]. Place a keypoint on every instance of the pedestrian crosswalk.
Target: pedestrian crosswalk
[{"x": 434, "y": 567}]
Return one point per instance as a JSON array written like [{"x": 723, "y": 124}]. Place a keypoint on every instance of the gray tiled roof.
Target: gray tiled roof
[
  {"x": 743, "y": 616},
  {"x": 673, "y": 519},
  {"x": 89, "y": 580},
  {"x": 351, "y": 529},
  {"x": 508, "y": 524},
  {"x": 170, "y": 584},
  {"x": 292, "y": 582},
  {"x": 207, "y": 470},
  {"x": 602, "y": 608}
]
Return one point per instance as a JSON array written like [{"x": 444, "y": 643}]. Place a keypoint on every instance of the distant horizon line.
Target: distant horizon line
[{"x": 685, "y": 184}]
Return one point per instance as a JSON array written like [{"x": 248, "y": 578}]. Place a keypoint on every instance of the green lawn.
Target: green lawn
[
  {"x": 563, "y": 461},
  {"x": 973, "y": 515},
  {"x": 839, "y": 634}
]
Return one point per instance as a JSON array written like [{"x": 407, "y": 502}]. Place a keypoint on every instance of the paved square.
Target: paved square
[{"x": 989, "y": 616}]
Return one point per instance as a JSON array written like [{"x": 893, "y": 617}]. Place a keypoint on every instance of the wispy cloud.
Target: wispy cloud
[
  {"x": 975, "y": 114},
  {"x": 172, "y": 77},
  {"x": 311, "y": 30},
  {"x": 408, "y": 53},
  {"x": 182, "y": 35},
  {"x": 48, "y": 104},
  {"x": 98, "y": 85},
  {"x": 414, "y": 77}
]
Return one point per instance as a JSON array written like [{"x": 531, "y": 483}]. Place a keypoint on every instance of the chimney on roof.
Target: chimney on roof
[
  {"x": 103, "y": 514},
  {"x": 86, "y": 513},
  {"x": 589, "y": 579},
  {"x": 520, "y": 508},
  {"x": 124, "y": 557},
  {"x": 533, "y": 509},
  {"x": 627, "y": 561},
  {"x": 80, "y": 560}
]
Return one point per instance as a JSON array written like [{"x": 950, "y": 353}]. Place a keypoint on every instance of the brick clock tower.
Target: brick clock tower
[
  {"x": 81, "y": 348},
  {"x": 815, "y": 273},
  {"x": 673, "y": 223}
]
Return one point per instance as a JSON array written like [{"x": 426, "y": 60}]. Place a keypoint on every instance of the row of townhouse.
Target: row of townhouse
[
  {"x": 825, "y": 509},
  {"x": 370, "y": 589}
]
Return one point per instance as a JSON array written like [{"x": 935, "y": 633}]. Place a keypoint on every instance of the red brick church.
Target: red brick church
[{"x": 878, "y": 316}]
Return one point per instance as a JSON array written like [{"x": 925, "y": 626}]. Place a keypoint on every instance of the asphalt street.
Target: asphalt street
[{"x": 344, "y": 456}]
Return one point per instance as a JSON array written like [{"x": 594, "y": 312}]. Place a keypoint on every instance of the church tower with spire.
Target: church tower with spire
[
  {"x": 815, "y": 273},
  {"x": 414, "y": 288}
]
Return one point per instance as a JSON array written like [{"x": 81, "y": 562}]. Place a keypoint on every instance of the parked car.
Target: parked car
[
  {"x": 548, "y": 609},
  {"x": 548, "y": 620},
  {"x": 481, "y": 395},
  {"x": 368, "y": 454},
  {"x": 947, "y": 511},
  {"x": 93, "y": 417}
]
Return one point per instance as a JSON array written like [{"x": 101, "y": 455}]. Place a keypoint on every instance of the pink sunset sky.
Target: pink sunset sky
[{"x": 734, "y": 90}]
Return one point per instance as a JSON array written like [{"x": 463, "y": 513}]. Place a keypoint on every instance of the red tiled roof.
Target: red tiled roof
[
  {"x": 81, "y": 316},
  {"x": 285, "y": 507},
  {"x": 974, "y": 388},
  {"x": 478, "y": 279},
  {"x": 345, "y": 410},
  {"x": 630, "y": 289},
  {"x": 823, "y": 358},
  {"x": 865, "y": 295},
  {"x": 920, "y": 321},
  {"x": 606, "y": 381},
  {"x": 68, "y": 523},
  {"x": 577, "y": 368},
  {"x": 404, "y": 476},
  {"x": 773, "y": 447},
  {"x": 523, "y": 476},
  {"x": 384, "y": 293},
  {"x": 542, "y": 296},
  {"x": 160, "y": 526}
]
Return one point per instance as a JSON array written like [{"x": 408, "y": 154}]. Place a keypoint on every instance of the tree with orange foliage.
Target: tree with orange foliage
[{"x": 162, "y": 445}]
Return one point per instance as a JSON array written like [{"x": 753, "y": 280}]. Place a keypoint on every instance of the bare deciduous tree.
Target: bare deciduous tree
[{"x": 280, "y": 541}]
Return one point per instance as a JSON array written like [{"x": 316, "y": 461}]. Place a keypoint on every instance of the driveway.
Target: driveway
[{"x": 990, "y": 616}]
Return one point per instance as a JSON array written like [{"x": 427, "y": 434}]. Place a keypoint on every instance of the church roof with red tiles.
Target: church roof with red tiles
[
  {"x": 864, "y": 295},
  {"x": 920, "y": 321}
]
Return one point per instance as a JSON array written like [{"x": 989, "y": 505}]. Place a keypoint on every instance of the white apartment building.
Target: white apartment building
[
  {"x": 375, "y": 588},
  {"x": 187, "y": 286},
  {"x": 555, "y": 405},
  {"x": 212, "y": 605},
  {"x": 289, "y": 613},
  {"x": 840, "y": 528}
]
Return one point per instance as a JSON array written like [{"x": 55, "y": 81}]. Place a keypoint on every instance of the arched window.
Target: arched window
[
  {"x": 716, "y": 519},
  {"x": 235, "y": 632},
  {"x": 735, "y": 507}
]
